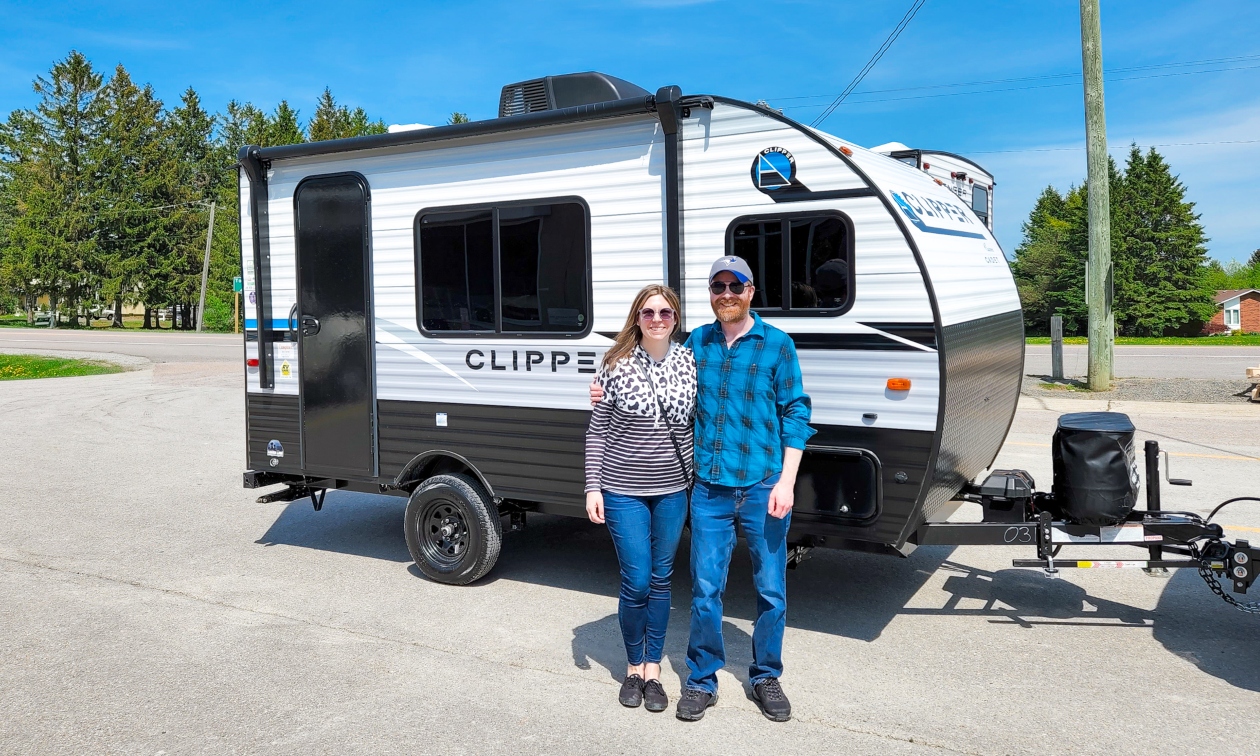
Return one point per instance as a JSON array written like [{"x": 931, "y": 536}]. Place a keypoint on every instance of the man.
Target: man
[{"x": 752, "y": 422}]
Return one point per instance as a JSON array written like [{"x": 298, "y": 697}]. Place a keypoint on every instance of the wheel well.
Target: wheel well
[{"x": 425, "y": 466}]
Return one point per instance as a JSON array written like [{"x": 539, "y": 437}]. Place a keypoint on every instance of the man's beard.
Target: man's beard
[{"x": 730, "y": 310}]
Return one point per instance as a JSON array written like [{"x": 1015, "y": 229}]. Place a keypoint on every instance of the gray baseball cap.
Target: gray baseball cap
[{"x": 733, "y": 264}]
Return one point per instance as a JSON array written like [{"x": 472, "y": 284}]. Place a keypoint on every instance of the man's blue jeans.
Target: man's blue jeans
[
  {"x": 715, "y": 510},
  {"x": 645, "y": 531}
]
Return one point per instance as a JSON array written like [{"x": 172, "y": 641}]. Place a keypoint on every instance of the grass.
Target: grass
[
  {"x": 1247, "y": 339},
  {"x": 16, "y": 367}
]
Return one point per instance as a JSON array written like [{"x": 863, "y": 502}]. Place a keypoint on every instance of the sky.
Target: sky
[{"x": 998, "y": 82}]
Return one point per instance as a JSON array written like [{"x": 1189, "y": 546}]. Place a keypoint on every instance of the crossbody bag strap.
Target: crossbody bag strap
[{"x": 669, "y": 427}]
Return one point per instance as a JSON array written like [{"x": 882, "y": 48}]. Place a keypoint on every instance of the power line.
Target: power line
[
  {"x": 1032, "y": 86},
  {"x": 1041, "y": 77},
  {"x": 149, "y": 209},
  {"x": 1078, "y": 149},
  {"x": 892, "y": 37}
]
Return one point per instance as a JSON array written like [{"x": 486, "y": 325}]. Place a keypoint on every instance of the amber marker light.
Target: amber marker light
[
  {"x": 846, "y": 150},
  {"x": 899, "y": 384}
]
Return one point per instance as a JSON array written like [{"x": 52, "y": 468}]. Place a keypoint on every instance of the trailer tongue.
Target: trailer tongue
[{"x": 1091, "y": 506}]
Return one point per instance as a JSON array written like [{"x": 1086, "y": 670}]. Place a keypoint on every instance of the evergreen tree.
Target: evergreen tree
[
  {"x": 333, "y": 121},
  {"x": 130, "y": 159},
  {"x": 52, "y": 182},
  {"x": 1254, "y": 260},
  {"x": 1039, "y": 259},
  {"x": 457, "y": 117},
  {"x": 1162, "y": 248},
  {"x": 282, "y": 127}
]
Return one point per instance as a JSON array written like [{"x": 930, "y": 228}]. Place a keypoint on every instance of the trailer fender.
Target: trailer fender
[{"x": 435, "y": 462}]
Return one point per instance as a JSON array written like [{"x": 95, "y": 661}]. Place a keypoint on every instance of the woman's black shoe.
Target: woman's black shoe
[
  {"x": 654, "y": 698},
  {"x": 693, "y": 703},
  {"x": 631, "y": 694}
]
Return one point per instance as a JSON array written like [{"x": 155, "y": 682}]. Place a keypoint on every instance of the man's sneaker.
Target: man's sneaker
[
  {"x": 631, "y": 694},
  {"x": 769, "y": 696},
  {"x": 654, "y": 698},
  {"x": 693, "y": 703}
]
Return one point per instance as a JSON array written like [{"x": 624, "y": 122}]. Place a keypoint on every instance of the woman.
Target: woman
[{"x": 638, "y": 473}]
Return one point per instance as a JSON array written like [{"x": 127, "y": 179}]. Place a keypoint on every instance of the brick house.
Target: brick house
[{"x": 1238, "y": 310}]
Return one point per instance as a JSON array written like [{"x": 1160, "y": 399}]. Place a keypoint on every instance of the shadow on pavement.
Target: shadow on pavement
[
  {"x": 1198, "y": 626},
  {"x": 350, "y": 523},
  {"x": 841, "y": 593}
]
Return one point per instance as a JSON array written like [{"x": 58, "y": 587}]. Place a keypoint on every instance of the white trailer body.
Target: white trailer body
[{"x": 436, "y": 301}]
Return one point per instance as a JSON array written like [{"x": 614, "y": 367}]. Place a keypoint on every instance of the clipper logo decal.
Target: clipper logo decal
[
  {"x": 274, "y": 449},
  {"x": 919, "y": 210},
  {"x": 774, "y": 168}
]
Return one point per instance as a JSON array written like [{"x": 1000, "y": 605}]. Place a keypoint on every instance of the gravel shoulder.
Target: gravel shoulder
[{"x": 1193, "y": 390}]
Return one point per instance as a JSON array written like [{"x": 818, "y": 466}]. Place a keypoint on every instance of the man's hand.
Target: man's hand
[
  {"x": 782, "y": 498},
  {"x": 597, "y": 393},
  {"x": 595, "y": 506}
]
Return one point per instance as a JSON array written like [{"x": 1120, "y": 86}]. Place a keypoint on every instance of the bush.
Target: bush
[{"x": 218, "y": 316}]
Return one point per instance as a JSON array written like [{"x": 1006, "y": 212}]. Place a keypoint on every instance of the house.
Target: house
[{"x": 1239, "y": 311}]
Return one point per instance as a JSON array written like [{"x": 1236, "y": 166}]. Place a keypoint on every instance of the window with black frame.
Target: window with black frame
[
  {"x": 539, "y": 253},
  {"x": 812, "y": 253}
]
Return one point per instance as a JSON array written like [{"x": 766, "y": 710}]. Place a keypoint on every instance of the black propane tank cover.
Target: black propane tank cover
[{"x": 1095, "y": 467}]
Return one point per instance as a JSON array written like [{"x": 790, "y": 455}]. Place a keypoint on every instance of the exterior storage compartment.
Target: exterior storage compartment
[{"x": 1095, "y": 469}]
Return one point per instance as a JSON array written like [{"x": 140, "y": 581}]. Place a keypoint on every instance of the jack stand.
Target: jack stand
[
  {"x": 1045, "y": 546},
  {"x": 517, "y": 522}
]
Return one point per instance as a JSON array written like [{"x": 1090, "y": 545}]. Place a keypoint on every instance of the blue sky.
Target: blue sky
[{"x": 419, "y": 61}]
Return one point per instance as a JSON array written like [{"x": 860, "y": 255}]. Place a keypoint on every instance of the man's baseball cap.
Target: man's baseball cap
[{"x": 734, "y": 265}]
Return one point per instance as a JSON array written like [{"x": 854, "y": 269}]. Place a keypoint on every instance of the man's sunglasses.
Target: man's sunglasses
[
  {"x": 647, "y": 313},
  {"x": 717, "y": 287}
]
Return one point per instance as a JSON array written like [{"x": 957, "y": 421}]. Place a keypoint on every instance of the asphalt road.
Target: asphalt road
[
  {"x": 1151, "y": 362},
  {"x": 149, "y": 605},
  {"x": 155, "y": 347}
]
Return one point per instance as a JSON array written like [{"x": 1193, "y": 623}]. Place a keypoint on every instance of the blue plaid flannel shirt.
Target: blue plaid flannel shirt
[{"x": 750, "y": 404}]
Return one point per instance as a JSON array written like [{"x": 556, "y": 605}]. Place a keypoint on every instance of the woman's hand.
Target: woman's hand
[
  {"x": 597, "y": 393},
  {"x": 595, "y": 506}
]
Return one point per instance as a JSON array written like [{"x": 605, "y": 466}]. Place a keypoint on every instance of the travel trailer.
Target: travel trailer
[{"x": 427, "y": 308}]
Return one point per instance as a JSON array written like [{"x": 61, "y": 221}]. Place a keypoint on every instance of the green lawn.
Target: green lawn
[
  {"x": 1249, "y": 339},
  {"x": 15, "y": 367}
]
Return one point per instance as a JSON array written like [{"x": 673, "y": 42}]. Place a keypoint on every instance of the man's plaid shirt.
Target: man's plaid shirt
[{"x": 750, "y": 404}]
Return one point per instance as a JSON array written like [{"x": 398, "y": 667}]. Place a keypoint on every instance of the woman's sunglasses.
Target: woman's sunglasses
[
  {"x": 647, "y": 313},
  {"x": 717, "y": 287}
]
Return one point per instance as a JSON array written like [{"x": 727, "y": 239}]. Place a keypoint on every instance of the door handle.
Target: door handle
[{"x": 310, "y": 326}]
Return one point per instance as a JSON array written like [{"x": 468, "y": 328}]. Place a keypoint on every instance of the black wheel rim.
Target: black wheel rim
[{"x": 443, "y": 534}]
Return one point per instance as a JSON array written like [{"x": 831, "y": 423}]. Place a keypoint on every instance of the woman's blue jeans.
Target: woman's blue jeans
[{"x": 645, "y": 530}]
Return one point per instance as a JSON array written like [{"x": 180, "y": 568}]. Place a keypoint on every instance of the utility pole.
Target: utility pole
[
  {"x": 205, "y": 271},
  {"x": 1098, "y": 279}
]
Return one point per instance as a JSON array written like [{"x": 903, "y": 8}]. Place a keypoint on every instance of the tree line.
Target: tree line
[
  {"x": 1163, "y": 281},
  {"x": 105, "y": 194}
]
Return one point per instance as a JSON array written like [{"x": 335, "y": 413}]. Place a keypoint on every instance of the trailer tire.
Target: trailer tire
[{"x": 453, "y": 529}]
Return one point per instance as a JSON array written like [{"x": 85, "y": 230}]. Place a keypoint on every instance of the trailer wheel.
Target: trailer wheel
[{"x": 453, "y": 529}]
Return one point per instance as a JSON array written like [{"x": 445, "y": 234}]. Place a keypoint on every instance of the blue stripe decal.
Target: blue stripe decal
[{"x": 277, "y": 324}]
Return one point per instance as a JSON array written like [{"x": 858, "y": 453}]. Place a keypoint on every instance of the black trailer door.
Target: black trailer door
[{"x": 334, "y": 351}]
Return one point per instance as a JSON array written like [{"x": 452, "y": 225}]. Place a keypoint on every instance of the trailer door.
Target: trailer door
[{"x": 334, "y": 349}]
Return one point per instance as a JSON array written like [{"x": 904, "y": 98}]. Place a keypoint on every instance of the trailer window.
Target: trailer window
[
  {"x": 539, "y": 252},
  {"x": 980, "y": 201},
  {"x": 812, "y": 252},
  {"x": 457, "y": 275}
]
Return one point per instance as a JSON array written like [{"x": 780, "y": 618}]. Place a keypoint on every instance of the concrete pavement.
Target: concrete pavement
[
  {"x": 155, "y": 347},
  {"x": 150, "y": 605}
]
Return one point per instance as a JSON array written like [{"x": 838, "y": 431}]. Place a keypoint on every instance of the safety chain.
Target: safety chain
[{"x": 1205, "y": 572}]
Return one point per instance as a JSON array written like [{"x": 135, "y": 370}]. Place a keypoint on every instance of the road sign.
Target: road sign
[{"x": 237, "y": 284}]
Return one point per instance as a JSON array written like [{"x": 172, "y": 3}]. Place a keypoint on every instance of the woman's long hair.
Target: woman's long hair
[{"x": 628, "y": 339}]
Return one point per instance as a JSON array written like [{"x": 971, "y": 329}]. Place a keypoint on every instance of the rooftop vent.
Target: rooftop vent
[{"x": 555, "y": 92}]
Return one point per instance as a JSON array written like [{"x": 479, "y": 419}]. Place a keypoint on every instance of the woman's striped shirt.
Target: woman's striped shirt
[{"x": 628, "y": 447}]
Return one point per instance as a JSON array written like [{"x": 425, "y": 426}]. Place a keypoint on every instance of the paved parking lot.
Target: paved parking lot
[{"x": 151, "y": 606}]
